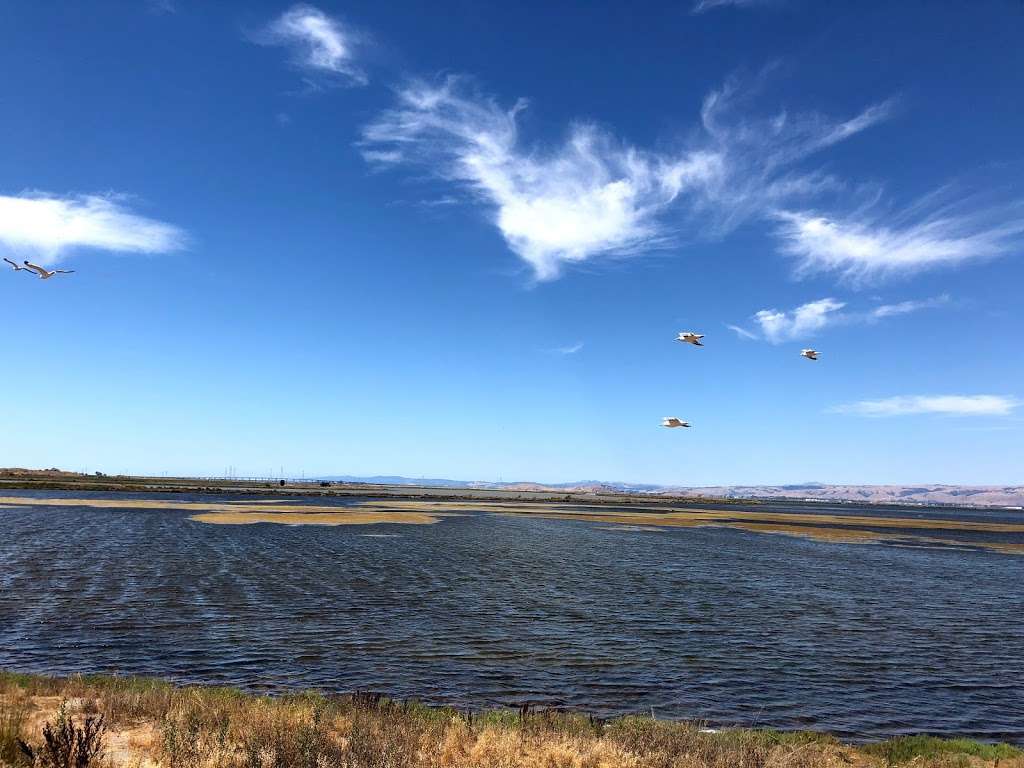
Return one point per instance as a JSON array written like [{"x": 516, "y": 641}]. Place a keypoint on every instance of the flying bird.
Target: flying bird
[
  {"x": 691, "y": 338},
  {"x": 16, "y": 267},
  {"x": 45, "y": 274},
  {"x": 672, "y": 421},
  {"x": 810, "y": 354}
]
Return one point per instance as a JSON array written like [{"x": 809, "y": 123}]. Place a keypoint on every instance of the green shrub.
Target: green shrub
[{"x": 906, "y": 748}]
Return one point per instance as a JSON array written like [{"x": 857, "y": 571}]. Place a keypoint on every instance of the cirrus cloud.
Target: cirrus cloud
[
  {"x": 806, "y": 319},
  {"x": 776, "y": 326},
  {"x": 863, "y": 250},
  {"x": 947, "y": 405},
  {"x": 906, "y": 307},
  {"x": 592, "y": 194},
  {"x": 570, "y": 349},
  {"x": 708, "y": 5},
  {"x": 320, "y": 43},
  {"x": 51, "y": 225},
  {"x": 588, "y": 196}
]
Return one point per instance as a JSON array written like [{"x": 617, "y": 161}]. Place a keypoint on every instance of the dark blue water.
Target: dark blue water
[{"x": 730, "y": 627}]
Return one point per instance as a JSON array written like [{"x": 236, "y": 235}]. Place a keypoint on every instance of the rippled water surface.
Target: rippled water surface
[{"x": 483, "y": 610}]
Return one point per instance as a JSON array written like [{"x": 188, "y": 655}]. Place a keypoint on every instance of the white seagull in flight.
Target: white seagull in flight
[
  {"x": 16, "y": 267},
  {"x": 46, "y": 274},
  {"x": 810, "y": 354},
  {"x": 690, "y": 338},
  {"x": 672, "y": 421}
]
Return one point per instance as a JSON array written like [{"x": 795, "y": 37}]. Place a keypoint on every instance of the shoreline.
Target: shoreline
[
  {"x": 132, "y": 484},
  {"x": 70, "y": 481},
  {"x": 153, "y": 723}
]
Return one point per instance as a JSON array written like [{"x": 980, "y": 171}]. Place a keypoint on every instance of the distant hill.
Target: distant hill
[
  {"x": 584, "y": 486},
  {"x": 960, "y": 495},
  {"x": 965, "y": 495},
  {"x": 398, "y": 480}
]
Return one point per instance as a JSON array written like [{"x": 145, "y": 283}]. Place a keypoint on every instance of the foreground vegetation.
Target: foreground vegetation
[{"x": 87, "y": 721}]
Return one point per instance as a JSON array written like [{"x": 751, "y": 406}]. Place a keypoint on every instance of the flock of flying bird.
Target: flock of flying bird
[
  {"x": 43, "y": 272},
  {"x": 689, "y": 337}
]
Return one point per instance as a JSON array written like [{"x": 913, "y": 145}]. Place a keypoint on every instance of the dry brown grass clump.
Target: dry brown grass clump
[{"x": 152, "y": 723}]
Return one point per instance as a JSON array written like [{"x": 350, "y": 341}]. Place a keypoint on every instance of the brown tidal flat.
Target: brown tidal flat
[
  {"x": 240, "y": 513},
  {"x": 832, "y": 528},
  {"x": 686, "y": 517},
  {"x": 834, "y": 535},
  {"x": 315, "y": 518},
  {"x": 836, "y": 529},
  {"x": 690, "y": 517},
  {"x": 1009, "y": 549}
]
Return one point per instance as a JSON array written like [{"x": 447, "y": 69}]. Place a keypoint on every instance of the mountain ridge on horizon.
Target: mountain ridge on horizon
[
  {"x": 1005, "y": 496},
  {"x": 918, "y": 493}
]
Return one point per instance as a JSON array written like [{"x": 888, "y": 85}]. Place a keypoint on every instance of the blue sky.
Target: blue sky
[{"x": 458, "y": 240}]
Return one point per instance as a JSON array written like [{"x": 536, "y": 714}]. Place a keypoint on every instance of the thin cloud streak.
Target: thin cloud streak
[
  {"x": 162, "y": 6},
  {"x": 569, "y": 350},
  {"x": 862, "y": 250},
  {"x": 708, "y": 5},
  {"x": 756, "y": 152},
  {"x": 804, "y": 321},
  {"x": 743, "y": 333},
  {"x": 49, "y": 226},
  {"x": 946, "y": 405},
  {"x": 906, "y": 307},
  {"x": 319, "y": 42},
  {"x": 592, "y": 194}
]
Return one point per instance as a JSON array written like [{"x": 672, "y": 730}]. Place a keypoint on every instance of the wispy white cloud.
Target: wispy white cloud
[
  {"x": 743, "y": 333},
  {"x": 384, "y": 156},
  {"x": 776, "y": 326},
  {"x": 49, "y": 225},
  {"x": 320, "y": 42},
  {"x": 862, "y": 249},
  {"x": 572, "y": 349},
  {"x": 588, "y": 196},
  {"x": 798, "y": 323},
  {"x": 759, "y": 158},
  {"x": 162, "y": 6},
  {"x": 906, "y": 307},
  {"x": 592, "y": 194},
  {"x": 948, "y": 405},
  {"x": 707, "y": 5}
]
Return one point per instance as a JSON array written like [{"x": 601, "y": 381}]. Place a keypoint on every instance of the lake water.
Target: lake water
[{"x": 731, "y": 627}]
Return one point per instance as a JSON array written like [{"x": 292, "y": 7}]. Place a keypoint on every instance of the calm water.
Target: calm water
[{"x": 726, "y": 626}]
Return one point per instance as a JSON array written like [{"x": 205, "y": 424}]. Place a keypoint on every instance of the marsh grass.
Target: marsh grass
[
  {"x": 906, "y": 749},
  {"x": 202, "y": 727},
  {"x": 13, "y": 712}
]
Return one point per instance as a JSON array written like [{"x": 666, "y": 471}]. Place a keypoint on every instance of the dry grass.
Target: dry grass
[{"x": 152, "y": 723}]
